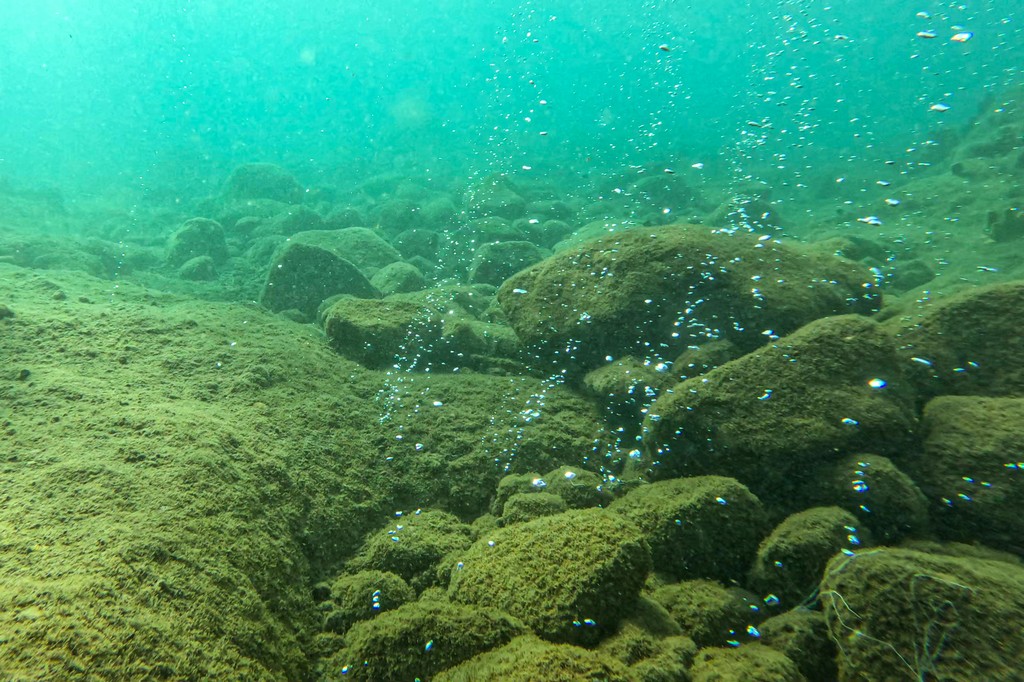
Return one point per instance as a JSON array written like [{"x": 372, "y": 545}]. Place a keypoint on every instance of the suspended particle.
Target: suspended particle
[{"x": 962, "y": 37}]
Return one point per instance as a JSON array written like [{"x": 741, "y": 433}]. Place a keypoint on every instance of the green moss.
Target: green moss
[{"x": 569, "y": 577}]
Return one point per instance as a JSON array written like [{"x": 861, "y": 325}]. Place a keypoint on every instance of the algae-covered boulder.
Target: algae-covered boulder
[
  {"x": 710, "y": 613},
  {"x": 968, "y": 344},
  {"x": 880, "y": 495},
  {"x": 198, "y": 269},
  {"x": 648, "y": 291},
  {"x": 291, "y": 221},
  {"x": 418, "y": 640},
  {"x": 802, "y": 635},
  {"x": 701, "y": 527},
  {"x": 901, "y": 614},
  {"x": 360, "y": 246},
  {"x": 302, "y": 277},
  {"x": 398, "y": 278},
  {"x": 362, "y": 596},
  {"x": 752, "y": 663},
  {"x": 262, "y": 181},
  {"x": 197, "y": 237},
  {"x": 496, "y": 262},
  {"x": 529, "y": 659},
  {"x": 524, "y": 507},
  {"x": 578, "y": 487},
  {"x": 832, "y": 388},
  {"x": 791, "y": 560},
  {"x": 569, "y": 577},
  {"x": 377, "y": 333},
  {"x": 412, "y": 547},
  {"x": 495, "y": 195},
  {"x": 970, "y": 469}
]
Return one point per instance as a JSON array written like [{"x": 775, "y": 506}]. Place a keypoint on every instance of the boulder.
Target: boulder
[
  {"x": 529, "y": 659},
  {"x": 398, "y": 278},
  {"x": 262, "y": 181},
  {"x": 494, "y": 263},
  {"x": 683, "y": 521},
  {"x": 197, "y": 237},
  {"x": 360, "y": 246},
  {"x": 569, "y": 577},
  {"x": 791, "y": 560},
  {"x": 774, "y": 416},
  {"x": 301, "y": 277},
  {"x": 967, "y": 344},
  {"x": 379, "y": 333},
  {"x": 902, "y": 614},
  {"x": 655, "y": 291},
  {"x": 971, "y": 468},
  {"x": 495, "y": 195}
]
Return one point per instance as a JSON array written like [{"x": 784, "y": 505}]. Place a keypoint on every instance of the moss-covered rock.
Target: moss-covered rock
[
  {"x": 494, "y": 263},
  {"x": 362, "y": 596},
  {"x": 881, "y": 496},
  {"x": 901, "y": 614},
  {"x": 802, "y": 635},
  {"x": 418, "y": 640},
  {"x": 198, "y": 269},
  {"x": 832, "y": 388},
  {"x": 709, "y": 613},
  {"x": 262, "y": 181},
  {"x": 379, "y": 333},
  {"x": 495, "y": 195},
  {"x": 301, "y": 277},
  {"x": 657, "y": 290},
  {"x": 971, "y": 469},
  {"x": 398, "y": 278},
  {"x": 529, "y": 659},
  {"x": 529, "y": 506},
  {"x": 701, "y": 527},
  {"x": 569, "y": 577},
  {"x": 578, "y": 487},
  {"x": 413, "y": 546},
  {"x": 360, "y": 246},
  {"x": 791, "y": 560},
  {"x": 966, "y": 344},
  {"x": 751, "y": 663},
  {"x": 197, "y": 237}
]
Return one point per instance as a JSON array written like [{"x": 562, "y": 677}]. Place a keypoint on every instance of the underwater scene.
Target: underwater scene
[{"x": 654, "y": 341}]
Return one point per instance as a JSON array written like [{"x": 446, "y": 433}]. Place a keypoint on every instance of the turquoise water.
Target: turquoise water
[{"x": 521, "y": 341}]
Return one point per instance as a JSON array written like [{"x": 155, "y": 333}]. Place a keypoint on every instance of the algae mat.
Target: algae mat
[{"x": 176, "y": 474}]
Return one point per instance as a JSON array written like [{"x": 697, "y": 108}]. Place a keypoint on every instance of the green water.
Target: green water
[{"x": 510, "y": 340}]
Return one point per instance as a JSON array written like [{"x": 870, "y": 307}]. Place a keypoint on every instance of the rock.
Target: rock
[
  {"x": 395, "y": 216},
  {"x": 971, "y": 470},
  {"x": 752, "y": 663},
  {"x": 549, "y": 209},
  {"x": 262, "y": 181},
  {"x": 791, "y": 560},
  {"x": 422, "y": 541},
  {"x": 378, "y": 333},
  {"x": 626, "y": 386},
  {"x": 197, "y": 237},
  {"x": 495, "y": 195},
  {"x": 398, "y": 278},
  {"x": 902, "y": 614},
  {"x": 524, "y": 507},
  {"x": 529, "y": 659},
  {"x": 440, "y": 213},
  {"x": 907, "y": 275},
  {"x": 883, "y": 498},
  {"x": 198, "y": 269},
  {"x": 658, "y": 290},
  {"x": 802, "y": 635},
  {"x": 709, "y": 613},
  {"x": 5, "y": 312},
  {"x": 771, "y": 418},
  {"x": 1006, "y": 225},
  {"x": 291, "y": 221},
  {"x": 360, "y": 246},
  {"x": 343, "y": 217},
  {"x": 422, "y": 243},
  {"x": 494, "y": 263},
  {"x": 683, "y": 520},
  {"x": 584, "y": 566},
  {"x": 361, "y": 596},
  {"x": 488, "y": 230},
  {"x": 418, "y": 640},
  {"x": 549, "y": 232},
  {"x": 303, "y": 276},
  {"x": 967, "y": 344},
  {"x": 578, "y": 487}
]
